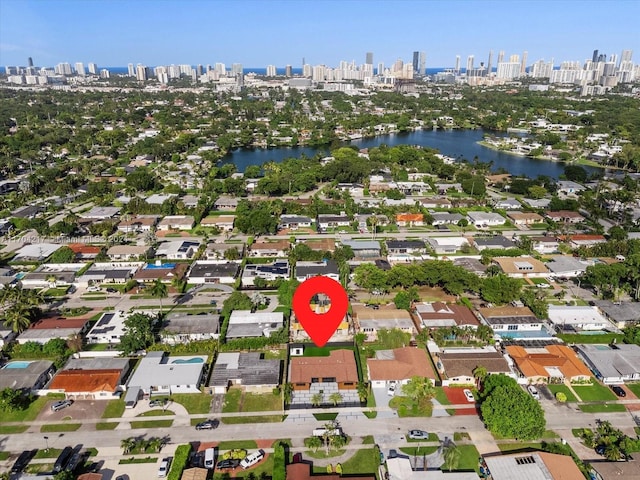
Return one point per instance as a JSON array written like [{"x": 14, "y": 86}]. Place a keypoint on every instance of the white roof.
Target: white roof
[
  {"x": 37, "y": 250},
  {"x": 159, "y": 369},
  {"x": 575, "y": 315},
  {"x": 245, "y": 317}
]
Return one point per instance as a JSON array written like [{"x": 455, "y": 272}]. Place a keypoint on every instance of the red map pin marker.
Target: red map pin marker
[{"x": 320, "y": 326}]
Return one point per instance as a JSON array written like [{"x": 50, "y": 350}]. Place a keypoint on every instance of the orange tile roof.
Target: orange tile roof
[
  {"x": 409, "y": 217},
  {"x": 408, "y": 362},
  {"x": 86, "y": 380},
  {"x": 340, "y": 364},
  {"x": 534, "y": 364},
  {"x": 82, "y": 248},
  {"x": 561, "y": 467},
  {"x": 302, "y": 471}
]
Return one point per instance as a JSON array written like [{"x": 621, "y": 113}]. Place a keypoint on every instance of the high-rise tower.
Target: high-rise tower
[
  {"x": 523, "y": 66},
  {"x": 501, "y": 56},
  {"x": 369, "y": 58},
  {"x": 416, "y": 62},
  {"x": 30, "y": 62},
  {"x": 490, "y": 63},
  {"x": 595, "y": 56},
  {"x": 470, "y": 60},
  {"x": 457, "y": 69},
  {"x": 423, "y": 63}
]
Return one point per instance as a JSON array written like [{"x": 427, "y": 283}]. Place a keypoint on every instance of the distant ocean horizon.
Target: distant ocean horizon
[{"x": 257, "y": 71}]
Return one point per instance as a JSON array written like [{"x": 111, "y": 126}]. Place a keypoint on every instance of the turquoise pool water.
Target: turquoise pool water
[
  {"x": 17, "y": 364},
  {"x": 191, "y": 360},
  {"x": 152, "y": 266}
]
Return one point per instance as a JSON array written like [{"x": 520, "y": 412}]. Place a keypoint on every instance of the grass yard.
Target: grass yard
[
  {"x": 238, "y": 401},
  {"x": 4, "y": 455},
  {"x": 514, "y": 447},
  {"x": 157, "y": 413},
  {"x": 366, "y": 460},
  {"x": 441, "y": 397},
  {"x": 468, "y": 458},
  {"x": 51, "y": 453},
  {"x": 114, "y": 409},
  {"x": 602, "y": 407},
  {"x": 312, "y": 351},
  {"x": 60, "y": 427},
  {"x": 432, "y": 438},
  {"x": 605, "y": 338},
  {"x": 129, "y": 461},
  {"x": 239, "y": 444},
  {"x": 36, "y": 468},
  {"x": 594, "y": 393},
  {"x": 30, "y": 413},
  {"x": 406, "y": 407},
  {"x": 635, "y": 388},
  {"x": 326, "y": 417},
  {"x": 418, "y": 451},
  {"x": 321, "y": 453},
  {"x": 564, "y": 389},
  {"x": 106, "y": 425},
  {"x": 457, "y": 436},
  {"x": 254, "y": 419},
  {"x": 11, "y": 429},
  {"x": 152, "y": 424}
]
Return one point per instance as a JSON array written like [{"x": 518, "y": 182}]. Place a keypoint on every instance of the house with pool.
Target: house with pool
[
  {"x": 27, "y": 375},
  {"x": 160, "y": 374}
]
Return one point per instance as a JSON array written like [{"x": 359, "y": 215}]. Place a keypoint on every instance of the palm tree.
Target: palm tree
[
  {"x": 159, "y": 290},
  {"x": 317, "y": 399},
  {"x": 335, "y": 398},
  {"x": 451, "y": 455},
  {"x": 480, "y": 373},
  {"x": 155, "y": 443},
  {"x": 337, "y": 442},
  {"x": 419, "y": 388},
  {"x": 363, "y": 391},
  {"x": 127, "y": 445},
  {"x": 288, "y": 392},
  {"x": 313, "y": 443},
  {"x": 18, "y": 318}
]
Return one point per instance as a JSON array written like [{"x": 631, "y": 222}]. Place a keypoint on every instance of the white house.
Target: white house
[
  {"x": 578, "y": 318},
  {"x": 244, "y": 323},
  {"x": 485, "y": 219},
  {"x": 160, "y": 374},
  {"x": 447, "y": 245},
  {"x": 176, "y": 222},
  {"x": 612, "y": 363},
  {"x": 108, "y": 329},
  {"x": 177, "y": 250},
  {"x": 185, "y": 328},
  {"x": 213, "y": 271}
]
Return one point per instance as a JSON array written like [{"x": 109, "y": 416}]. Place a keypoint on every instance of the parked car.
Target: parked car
[
  {"x": 122, "y": 477},
  {"x": 75, "y": 460},
  {"x": 469, "y": 395},
  {"x": 111, "y": 290},
  {"x": 227, "y": 464},
  {"x": 62, "y": 460},
  {"x": 391, "y": 391},
  {"x": 534, "y": 392},
  {"x": 23, "y": 460},
  {"x": 207, "y": 425},
  {"x": 161, "y": 402},
  {"x": 163, "y": 469},
  {"x": 392, "y": 453},
  {"x": 381, "y": 458},
  {"x": 251, "y": 460},
  {"x": 62, "y": 404},
  {"x": 418, "y": 435},
  {"x": 93, "y": 288},
  {"x": 618, "y": 390}
]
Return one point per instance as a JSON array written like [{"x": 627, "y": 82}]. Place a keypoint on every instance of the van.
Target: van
[
  {"x": 252, "y": 459},
  {"x": 320, "y": 432},
  {"x": 209, "y": 458}
]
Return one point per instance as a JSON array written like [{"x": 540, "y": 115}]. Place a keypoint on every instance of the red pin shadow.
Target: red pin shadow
[{"x": 320, "y": 326}]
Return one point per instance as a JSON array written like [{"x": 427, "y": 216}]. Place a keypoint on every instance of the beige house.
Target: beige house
[
  {"x": 128, "y": 252},
  {"x": 522, "y": 267},
  {"x": 222, "y": 222},
  {"x": 176, "y": 222},
  {"x": 524, "y": 218}
]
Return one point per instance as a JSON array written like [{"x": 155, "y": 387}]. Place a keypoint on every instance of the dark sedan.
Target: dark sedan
[
  {"x": 207, "y": 425},
  {"x": 228, "y": 463},
  {"x": 618, "y": 390}
]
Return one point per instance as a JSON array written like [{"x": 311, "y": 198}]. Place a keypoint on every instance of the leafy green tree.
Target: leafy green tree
[
  {"x": 451, "y": 454},
  {"x": 500, "y": 289},
  {"x": 138, "y": 333},
  {"x": 236, "y": 301},
  {"x": 64, "y": 475},
  {"x": 575, "y": 173},
  {"x": 537, "y": 191},
  {"x": 370, "y": 278},
  {"x": 314, "y": 443},
  {"x": 419, "y": 388},
  {"x": 63, "y": 255},
  {"x": 11, "y": 400},
  {"x": 56, "y": 347}
]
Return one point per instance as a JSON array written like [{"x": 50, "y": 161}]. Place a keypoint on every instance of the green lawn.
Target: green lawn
[
  {"x": 36, "y": 468},
  {"x": 605, "y": 338},
  {"x": 232, "y": 401},
  {"x": 468, "y": 458},
  {"x": 238, "y": 401},
  {"x": 60, "y": 427},
  {"x": 106, "y": 425},
  {"x": 129, "y": 461},
  {"x": 51, "y": 453},
  {"x": 564, "y": 389},
  {"x": 432, "y": 438},
  {"x": 114, "y": 409},
  {"x": 10, "y": 429},
  {"x": 406, "y": 407},
  {"x": 29, "y": 414},
  {"x": 152, "y": 424},
  {"x": 602, "y": 407},
  {"x": 365, "y": 461},
  {"x": 441, "y": 397},
  {"x": 157, "y": 413},
  {"x": 325, "y": 417},
  {"x": 254, "y": 419},
  {"x": 312, "y": 351},
  {"x": 193, "y": 402},
  {"x": 419, "y": 451},
  {"x": 457, "y": 436},
  {"x": 594, "y": 393},
  {"x": 4, "y": 455},
  {"x": 635, "y": 388},
  {"x": 239, "y": 444}
]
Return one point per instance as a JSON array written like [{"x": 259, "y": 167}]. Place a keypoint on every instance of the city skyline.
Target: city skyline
[{"x": 257, "y": 34}]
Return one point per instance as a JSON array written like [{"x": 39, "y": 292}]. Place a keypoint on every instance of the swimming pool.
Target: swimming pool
[
  {"x": 191, "y": 360},
  {"x": 17, "y": 364},
  {"x": 151, "y": 266}
]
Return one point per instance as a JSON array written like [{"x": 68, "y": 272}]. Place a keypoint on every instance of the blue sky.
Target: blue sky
[{"x": 257, "y": 33}]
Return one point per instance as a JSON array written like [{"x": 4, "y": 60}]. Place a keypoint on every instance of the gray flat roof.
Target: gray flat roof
[
  {"x": 249, "y": 368},
  {"x": 18, "y": 378},
  {"x": 184, "y": 323},
  {"x": 98, "y": 363},
  {"x": 156, "y": 368},
  {"x": 612, "y": 362}
]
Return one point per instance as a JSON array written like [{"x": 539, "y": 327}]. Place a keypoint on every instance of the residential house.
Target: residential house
[
  {"x": 577, "y": 318},
  {"x": 564, "y": 216},
  {"x": 524, "y": 218},
  {"x": 108, "y": 329},
  {"x": 103, "y": 272},
  {"x": 398, "y": 365},
  {"x": 29, "y": 375},
  {"x": 511, "y": 321},
  {"x": 629, "y": 469},
  {"x": 176, "y": 222},
  {"x": 184, "y": 328},
  {"x": 447, "y": 245},
  {"x": 522, "y": 267},
  {"x": 268, "y": 272},
  {"x": 216, "y": 251},
  {"x": 6, "y": 336},
  {"x": 444, "y": 218},
  {"x": 545, "y": 244},
  {"x": 576, "y": 241},
  {"x": 306, "y": 270},
  {"x": 410, "y": 219},
  {"x": 443, "y": 188},
  {"x": 278, "y": 248},
  {"x": 381, "y": 183},
  {"x": 51, "y": 275},
  {"x": 405, "y": 247},
  {"x": 244, "y": 323},
  {"x": 320, "y": 245},
  {"x": 138, "y": 223},
  {"x": 54, "y": 327},
  {"x": 84, "y": 251},
  {"x": 567, "y": 187},
  {"x": 91, "y": 378},
  {"x": 413, "y": 188},
  {"x": 160, "y": 374},
  {"x": 165, "y": 272},
  {"x": 343, "y": 333},
  {"x": 563, "y": 266},
  {"x": 213, "y": 271},
  {"x": 508, "y": 204},
  {"x": 226, "y": 203},
  {"x": 617, "y": 363},
  {"x": 496, "y": 242},
  {"x": 457, "y": 365},
  {"x": 101, "y": 213},
  {"x": 473, "y": 265},
  {"x": 251, "y": 371},
  {"x": 445, "y": 315},
  {"x": 620, "y": 314},
  {"x": 159, "y": 198},
  {"x": 363, "y": 249},
  {"x": 129, "y": 252},
  {"x": 36, "y": 252},
  {"x": 326, "y": 221},
  {"x": 177, "y": 250},
  {"x": 548, "y": 364},
  {"x": 323, "y": 376},
  {"x": 224, "y": 223},
  {"x": 532, "y": 465},
  {"x": 485, "y": 219},
  {"x": 370, "y": 321},
  {"x": 294, "y": 222},
  {"x": 436, "y": 202}
]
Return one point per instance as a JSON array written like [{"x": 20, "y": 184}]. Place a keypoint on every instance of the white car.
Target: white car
[
  {"x": 391, "y": 391},
  {"x": 534, "y": 392},
  {"x": 469, "y": 395},
  {"x": 252, "y": 459},
  {"x": 93, "y": 288},
  {"x": 163, "y": 469}
]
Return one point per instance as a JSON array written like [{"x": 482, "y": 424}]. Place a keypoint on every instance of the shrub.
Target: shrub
[
  {"x": 237, "y": 454},
  {"x": 179, "y": 463},
  {"x": 279, "y": 457},
  {"x": 561, "y": 397}
]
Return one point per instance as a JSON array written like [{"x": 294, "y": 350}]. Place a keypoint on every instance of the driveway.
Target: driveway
[
  {"x": 456, "y": 397},
  {"x": 80, "y": 410},
  {"x": 382, "y": 400}
]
